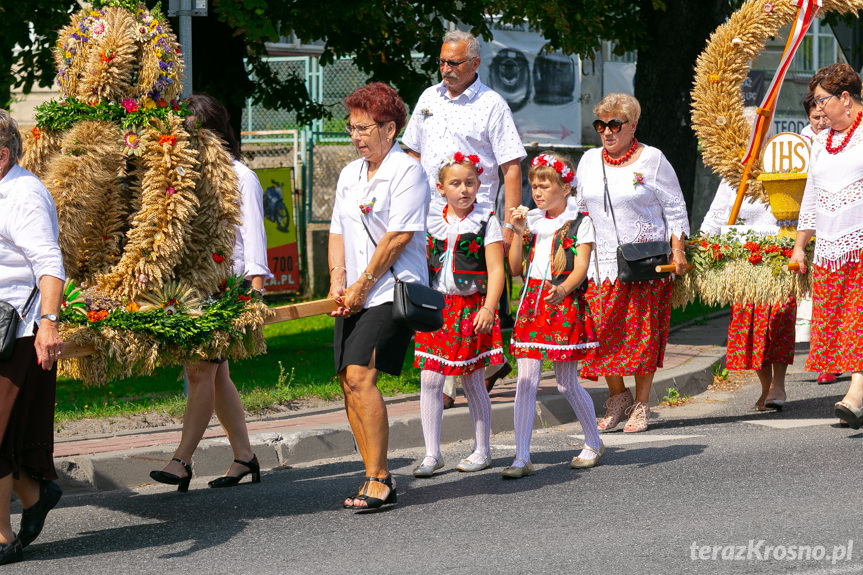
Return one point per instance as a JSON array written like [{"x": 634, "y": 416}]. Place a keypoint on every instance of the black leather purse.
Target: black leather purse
[
  {"x": 9, "y": 320},
  {"x": 416, "y": 307},
  {"x": 636, "y": 262}
]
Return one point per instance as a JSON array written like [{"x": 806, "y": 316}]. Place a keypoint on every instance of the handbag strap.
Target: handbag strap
[
  {"x": 30, "y": 300},
  {"x": 609, "y": 206},
  {"x": 392, "y": 271}
]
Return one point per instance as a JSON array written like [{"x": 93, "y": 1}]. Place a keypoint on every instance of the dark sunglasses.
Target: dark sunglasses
[
  {"x": 453, "y": 63},
  {"x": 613, "y": 125}
]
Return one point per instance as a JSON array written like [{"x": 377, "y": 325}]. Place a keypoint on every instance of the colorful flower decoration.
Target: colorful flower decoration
[
  {"x": 167, "y": 139},
  {"x": 107, "y": 56},
  {"x": 143, "y": 279},
  {"x": 548, "y": 160},
  {"x": 638, "y": 179},
  {"x": 471, "y": 248},
  {"x": 133, "y": 143},
  {"x": 569, "y": 243},
  {"x": 713, "y": 78},
  {"x": 367, "y": 205},
  {"x": 768, "y": 7},
  {"x": 97, "y": 315},
  {"x": 130, "y": 105},
  {"x": 218, "y": 257},
  {"x": 459, "y": 158},
  {"x": 170, "y": 191},
  {"x": 36, "y": 133}
]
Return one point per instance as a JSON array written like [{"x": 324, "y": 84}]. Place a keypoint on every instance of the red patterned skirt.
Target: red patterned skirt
[
  {"x": 455, "y": 349},
  {"x": 836, "y": 336},
  {"x": 762, "y": 334},
  {"x": 634, "y": 327},
  {"x": 562, "y": 332}
]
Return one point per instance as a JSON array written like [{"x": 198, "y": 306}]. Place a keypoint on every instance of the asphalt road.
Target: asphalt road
[{"x": 712, "y": 487}]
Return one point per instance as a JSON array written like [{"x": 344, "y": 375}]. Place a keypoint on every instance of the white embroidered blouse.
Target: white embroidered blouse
[
  {"x": 647, "y": 199},
  {"x": 449, "y": 229},
  {"x": 833, "y": 201},
  {"x": 754, "y": 213},
  {"x": 544, "y": 229}
]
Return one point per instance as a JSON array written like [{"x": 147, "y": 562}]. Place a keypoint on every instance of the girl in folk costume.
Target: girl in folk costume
[
  {"x": 553, "y": 322},
  {"x": 465, "y": 246}
]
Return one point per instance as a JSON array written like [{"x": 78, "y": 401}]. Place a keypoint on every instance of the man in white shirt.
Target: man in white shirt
[{"x": 461, "y": 114}]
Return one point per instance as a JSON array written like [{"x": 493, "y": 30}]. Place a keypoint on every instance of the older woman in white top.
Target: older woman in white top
[
  {"x": 648, "y": 206},
  {"x": 832, "y": 210},
  {"x": 210, "y": 385},
  {"x": 378, "y": 223},
  {"x": 31, "y": 269}
]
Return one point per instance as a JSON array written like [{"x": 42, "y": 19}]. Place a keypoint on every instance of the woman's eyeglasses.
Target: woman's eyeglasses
[
  {"x": 613, "y": 125},
  {"x": 820, "y": 101},
  {"x": 360, "y": 130}
]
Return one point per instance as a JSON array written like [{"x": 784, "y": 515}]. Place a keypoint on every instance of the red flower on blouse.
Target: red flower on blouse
[{"x": 474, "y": 247}]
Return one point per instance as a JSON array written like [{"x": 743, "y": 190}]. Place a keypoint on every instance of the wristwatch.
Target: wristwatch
[
  {"x": 370, "y": 277},
  {"x": 50, "y": 317}
]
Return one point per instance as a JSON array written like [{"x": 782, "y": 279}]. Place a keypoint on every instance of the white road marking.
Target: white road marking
[
  {"x": 618, "y": 439},
  {"x": 793, "y": 423}
]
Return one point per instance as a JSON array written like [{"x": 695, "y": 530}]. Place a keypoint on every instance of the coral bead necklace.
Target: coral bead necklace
[
  {"x": 837, "y": 149},
  {"x": 612, "y": 162}
]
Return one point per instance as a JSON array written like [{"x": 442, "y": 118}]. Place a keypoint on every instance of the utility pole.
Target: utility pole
[{"x": 185, "y": 10}]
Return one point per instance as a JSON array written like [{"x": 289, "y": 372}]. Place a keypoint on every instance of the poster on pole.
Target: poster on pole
[
  {"x": 542, "y": 88},
  {"x": 280, "y": 224}
]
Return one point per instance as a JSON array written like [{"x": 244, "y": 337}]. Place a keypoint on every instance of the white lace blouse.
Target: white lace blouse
[
  {"x": 754, "y": 214},
  {"x": 647, "y": 199},
  {"x": 833, "y": 201}
]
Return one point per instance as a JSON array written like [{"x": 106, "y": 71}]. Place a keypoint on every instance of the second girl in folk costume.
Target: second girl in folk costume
[
  {"x": 553, "y": 322},
  {"x": 466, "y": 265}
]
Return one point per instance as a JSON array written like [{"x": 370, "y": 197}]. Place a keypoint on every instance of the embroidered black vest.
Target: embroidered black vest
[
  {"x": 468, "y": 259},
  {"x": 568, "y": 242}
]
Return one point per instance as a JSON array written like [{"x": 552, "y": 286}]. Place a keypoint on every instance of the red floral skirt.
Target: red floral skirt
[
  {"x": 836, "y": 336},
  {"x": 455, "y": 349},
  {"x": 563, "y": 332},
  {"x": 634, "y": 327},
  {"x": 759, "y": 335}
]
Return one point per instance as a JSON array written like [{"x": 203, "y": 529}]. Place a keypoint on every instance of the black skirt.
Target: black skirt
[
  {"x": 27, "y": 414},
  {"x": 371, "y": 330}
]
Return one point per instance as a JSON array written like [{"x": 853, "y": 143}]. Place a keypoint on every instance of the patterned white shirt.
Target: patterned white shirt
[
  {"x": 477, "y": 121},
  {"x": 250, "y": 248},
  {"x": 397, "y": 194},
  {"x": 754, "y": 214},
  {"x": 647, "y": 200},
  {"x": 28, "y": 242}
]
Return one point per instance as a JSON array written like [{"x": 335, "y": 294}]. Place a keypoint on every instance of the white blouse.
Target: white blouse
[
  {"x": 398, "y": 197},
  {"x": 28, "y": 242},
  {"x": 833, "y": 201},
  {"x": 544, "y": 228},
  {"x": 449, "y": 229},
  {"x": 647, "y": 199},
  {"x": 754, "y": 214},
  {"x": 250, "y": 247}
]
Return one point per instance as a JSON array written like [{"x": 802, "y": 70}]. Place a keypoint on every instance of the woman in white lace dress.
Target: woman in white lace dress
[
  {"x": 648, "y": 206},
  {"x": 832, "y": 209}
]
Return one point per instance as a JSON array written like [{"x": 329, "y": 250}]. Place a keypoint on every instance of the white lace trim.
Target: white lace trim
[
  {"x": 538, "y": 224},
  {"x": 440, "y": 228},
  {"x": 496, "y": 351},
  {"x": 530, "y": 344}
]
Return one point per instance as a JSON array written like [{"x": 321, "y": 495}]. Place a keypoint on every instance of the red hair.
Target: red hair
[{"x": 379, "y": 101}]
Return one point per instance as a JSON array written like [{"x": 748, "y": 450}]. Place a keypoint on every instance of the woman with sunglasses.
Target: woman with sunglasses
[
  {"x": 832, "y": 210},
  {"x": 377, "y": 233},
  {"x": 648, "y": 205}
]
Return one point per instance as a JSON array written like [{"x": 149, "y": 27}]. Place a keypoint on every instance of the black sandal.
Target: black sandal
[{"x": 376, "y": 502}]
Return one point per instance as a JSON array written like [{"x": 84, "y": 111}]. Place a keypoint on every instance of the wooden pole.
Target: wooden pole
[
  {"x": 669, "y": 268},
  {"x": 767, "y": 112}
]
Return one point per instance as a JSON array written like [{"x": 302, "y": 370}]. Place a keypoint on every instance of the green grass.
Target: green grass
[{"x": 299, "y": 364}]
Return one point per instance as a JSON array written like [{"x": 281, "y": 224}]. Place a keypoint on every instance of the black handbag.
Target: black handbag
[
  {"x": 416, "y": 307},
  {"x": 636, "y": 262},
  {"x": 9, "y": 320}
]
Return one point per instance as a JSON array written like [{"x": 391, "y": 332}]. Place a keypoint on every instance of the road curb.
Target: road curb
[{"x": 130, "y": 468}]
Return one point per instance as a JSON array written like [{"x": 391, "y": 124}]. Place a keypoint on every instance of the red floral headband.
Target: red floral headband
[
  {"x": 458, "y": 158},
  {"x": 548, "y": 160}
]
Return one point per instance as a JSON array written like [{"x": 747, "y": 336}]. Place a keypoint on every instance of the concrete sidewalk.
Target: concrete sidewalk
[{"x": 124, "y": 460}]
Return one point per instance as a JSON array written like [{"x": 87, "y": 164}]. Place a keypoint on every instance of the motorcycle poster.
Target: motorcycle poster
[{"x": 280, "y": 224}]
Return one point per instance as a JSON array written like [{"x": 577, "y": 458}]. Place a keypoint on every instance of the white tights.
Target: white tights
[
  {"x": 566, "y": 372},
  {"x": 478, "y": 403}
]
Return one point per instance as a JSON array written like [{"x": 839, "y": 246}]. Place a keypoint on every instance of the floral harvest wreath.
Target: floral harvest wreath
[
  {"x": 717, "y": 102},
  {"x": 147, "y": 203}
]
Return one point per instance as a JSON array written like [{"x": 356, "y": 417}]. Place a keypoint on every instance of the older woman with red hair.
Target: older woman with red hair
[{"x": 377, "y": 234}]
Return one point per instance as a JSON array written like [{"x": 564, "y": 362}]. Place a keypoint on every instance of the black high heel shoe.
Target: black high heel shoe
[
  {"x": 232, "y": 480},
  {"x": 171, "y": 479},
  {"x": 375, "y": 502}
]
